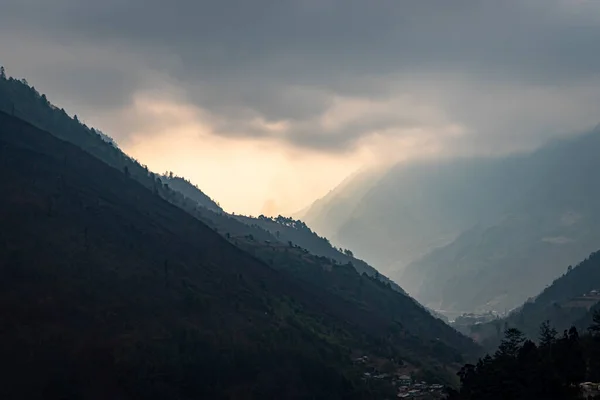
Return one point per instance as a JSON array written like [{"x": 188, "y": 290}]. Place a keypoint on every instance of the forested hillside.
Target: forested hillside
[
  {"x": 20, "y": 99},
  {"x": 112, "y": 289},
  {"x": 332, "y": 306},
  {"x": 549, "y": 365},
  {"x": 190, "y": 191},
  {"x": 569, "y": 301},
  {"x": 115, "y": 293},
  {"x": 288, "y": 230}
]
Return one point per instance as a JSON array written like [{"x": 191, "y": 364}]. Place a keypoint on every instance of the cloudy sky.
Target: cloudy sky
[{"x": 268, "y": 104}]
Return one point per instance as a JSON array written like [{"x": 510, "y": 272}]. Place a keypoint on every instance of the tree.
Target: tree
[
  {"x": 348, "y": 253},
  {"x": 511, "y": 344},
  {"x": 594, "y": 328},
  {"x": 570, "y": 357},
  {"x": 2, "y": 72},
  {"x": 466, "y": 373},
  {"x": 547, "y": 334},
  {"x": 521, "y": 370}
]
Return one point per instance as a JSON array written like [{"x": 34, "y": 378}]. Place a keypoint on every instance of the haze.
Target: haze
[{"x": 268, "y": 105}]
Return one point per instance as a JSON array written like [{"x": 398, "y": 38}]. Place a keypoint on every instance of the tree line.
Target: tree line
[{"x": 552, "y": 368}]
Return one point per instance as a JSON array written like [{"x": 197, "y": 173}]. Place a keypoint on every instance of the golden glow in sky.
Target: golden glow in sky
[
  {"x": 245, "y": 176},
  {"x": 252, "y": 176}
]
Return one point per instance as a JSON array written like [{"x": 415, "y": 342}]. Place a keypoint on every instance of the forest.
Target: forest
[
  {"x": 170, "y": 296},
  {"x": 555, "y": 366},
  {"x": 121, "y": 285}
]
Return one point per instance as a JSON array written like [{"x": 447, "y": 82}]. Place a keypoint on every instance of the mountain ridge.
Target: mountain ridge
[
  {"x": 119, "y": 248},
  {"x": 389, "y": 322},
  {"x": 433, "y": 226}
]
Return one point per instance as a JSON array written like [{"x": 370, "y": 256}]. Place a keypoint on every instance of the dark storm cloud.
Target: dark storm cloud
[
  {"x": 287, "y": 59},
  {"x": 299, "y": 39}
]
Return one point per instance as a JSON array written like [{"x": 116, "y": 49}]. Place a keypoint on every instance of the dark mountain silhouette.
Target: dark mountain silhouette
[
  {"x": 560, "y": 367},
  {"x": 107, "y": 282},
  {"x": 23, "y": 101},
  {"x": 191, "y": 191},
  {"x": 120, "y": 293},
  {"x": 287, "y": 230}
]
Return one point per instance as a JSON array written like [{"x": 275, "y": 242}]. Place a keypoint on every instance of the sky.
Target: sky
[{"x": 267, "y": 105}]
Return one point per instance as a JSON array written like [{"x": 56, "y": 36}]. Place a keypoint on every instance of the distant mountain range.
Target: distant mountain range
[
  {"x": 128, "y": 284},
  {"x": 475, "y": 234}
]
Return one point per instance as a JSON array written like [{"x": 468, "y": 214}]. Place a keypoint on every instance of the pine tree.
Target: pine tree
[
  {"x": 594, "y": 328},
  {"x": 547, "y": 334},
  {"x": 511, "y": 344}
]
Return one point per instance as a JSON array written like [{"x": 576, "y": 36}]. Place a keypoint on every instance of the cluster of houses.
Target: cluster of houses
[
  {"x": 586, "y": 300},
  {"x": 407, "y": 387},
  {"x": 589, "y": 389}
]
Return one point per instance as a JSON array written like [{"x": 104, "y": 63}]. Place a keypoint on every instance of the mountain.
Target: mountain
[
  {"x": 553, "y": 222},
  {"x": 481, "y": 234},
  {"x": 287, "y": 230},
  {"x": 191, "y": 191},
  {"x": 106, "y": 280},
  {"x": 127, "y": 288},
  {"x": 327, "y": 214},
  {"x": 413, "y": 208},
  {"x": 569, "y": 300},
  {"x": 23, "y": 101}
]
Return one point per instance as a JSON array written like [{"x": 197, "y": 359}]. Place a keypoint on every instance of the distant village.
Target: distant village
[
  {"x": 586, "y": 300},
  {"x": 408, "y": 388}
]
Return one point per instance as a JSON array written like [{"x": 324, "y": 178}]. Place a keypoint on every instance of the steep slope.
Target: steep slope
[
  {"x": 191, "y": 191},
  {"x": 569, "y": 300},
  {"x": 552, "y": 223},
  {"x": 455, "y": 234},
  {"x": 21, "y": 100},
  {"x": 327, "y": 214},
  {"x": 288, "y": 230},
  {"x": 109, "y": 291},
  {"x": 346, "y": 311},
  {"x": 416, "y": 207}
]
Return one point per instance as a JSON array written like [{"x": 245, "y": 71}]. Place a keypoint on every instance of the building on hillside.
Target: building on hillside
[{"x": 404, "y": 380}]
